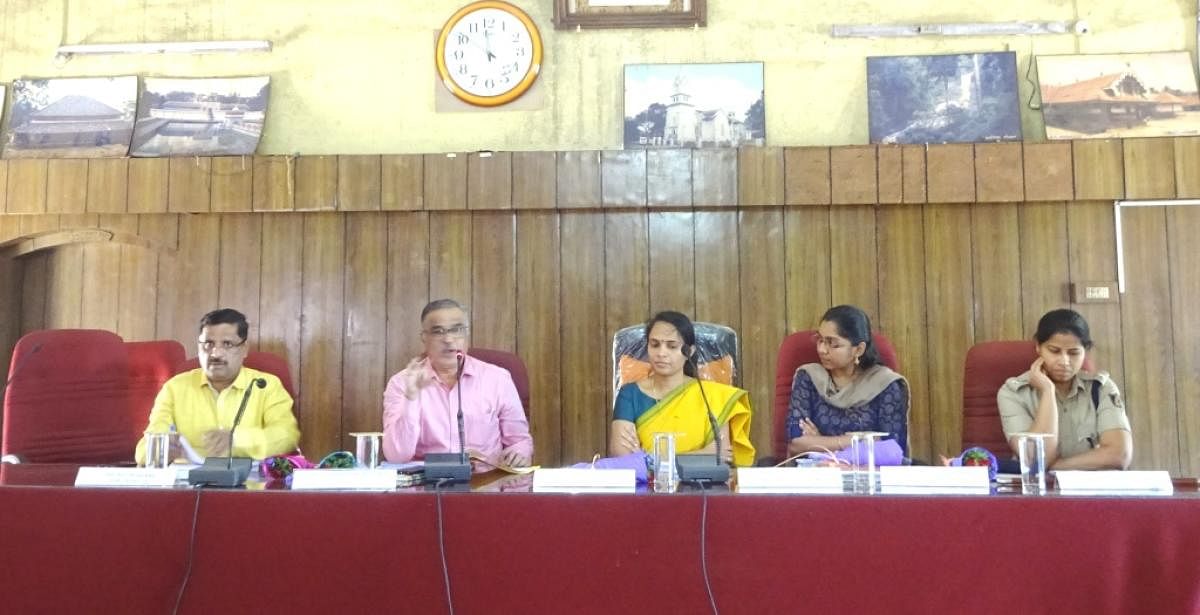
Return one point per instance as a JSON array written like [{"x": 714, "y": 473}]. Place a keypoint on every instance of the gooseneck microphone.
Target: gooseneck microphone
[
  {"x": 697, "y": 468},
  {"x": 227, "y": 471},
  {"x": 448, "y": 468},
  {"x": 237, "y": 419}
]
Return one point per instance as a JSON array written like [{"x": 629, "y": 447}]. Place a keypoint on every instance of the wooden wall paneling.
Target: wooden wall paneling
[
  {"x": 239, "y": 285},
  {"x": 912, "y": 158},
  {"x": 807, "y": 266},
  {"x": 999, "y": 173},
  {"x": 996, "y": 259},
  {"x": 445, "y": 181},
  {"x": 669, "y": 177},
  {"x": 64, "y": 287},
  {"x": 317, "y": 183},
  {"x": 232, "y": 184},
  {"x": 101, "y": 284},
  {"x": 807, "y": 180},
  {"x": 10, "y": 228},
  {"x": 539, "y": 324},
  {"x": 493, "y": 280},
  {"x": 1045, "y": 262},
  {"x": 196, "y": 277},
  {"x": 11, "y": 283},
  {"x": 274, "y": 183},
  {"x": 189, "y": 185},
  {"x": 4, "y": 192},
  {"x": 489, "y": 180},
  {"x": 71, "y": 221},
  {"x": 891, "y": 174},
  {"x": 148, "y": 182},
  {"x": 534, "y": 180},
  {"x": 717, "y": 283},
  {"x": 35, "y": 269},
  {"x": 626, "y": 295},
  {"x": 364, "y": 325},
  {"x": 359, "y": 183},
  {"x": 137, "y": 295},
  {"x": 853, "y": 266},
  {"x": 27, "y": 186},
  {"x": 450, "y": 256},
  {"x": 1187, "y": 163},
  {"x": 951, "y": 173},
  {"x": 162, "y": 230},
  {"x": 66, "y": 186},
  {"x": 760, "y": 176},
  {"x": 280, "y": 293},
  {"x": 1149, "y": 168},
  {"x": 403, "y": 182},
  {"x": 714, "y": 177},
  {"x": 1049, "y": 174},
  {"x": 407, "y": 286},
  {"x": 948, "y": 296},
  {"x": 1149, "y": 340},
  {"x": 107, "y": 185},
  {"x": 761, "y": 246},
  {"x": 672, "y": 242},
  {"x": 585, "y": 377},
  {"x": 623, "y": 178},
  {"x": 1092, "y": 249},
  {"x": 1099, "y": 169},
  {"x": 579, "y": 179},
  {"x": 36, "y": 225},
  {"x": 1183, "y": 226},
  {"x": 902, "y": 313},
  {"x": 854, "y": 175},
  {"x": 321, "y": 332}
]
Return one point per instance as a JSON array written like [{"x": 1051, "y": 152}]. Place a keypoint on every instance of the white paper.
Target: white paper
[
  {"x": 584, "y": 480},
  {"x": 789, "y": 480},
  {"x": 344, "y": 479},
  {"x": 1114, "y": 482},
  {"x": 93, "y": 476}
]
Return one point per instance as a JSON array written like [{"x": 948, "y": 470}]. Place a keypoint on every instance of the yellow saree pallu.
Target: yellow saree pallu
[{"x": 682, "y": 412}]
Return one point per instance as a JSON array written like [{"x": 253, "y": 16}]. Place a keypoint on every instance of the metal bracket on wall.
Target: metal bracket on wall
[
  {"x": 1002, "y": 28},
  {"x": 1117, "y": 206}
]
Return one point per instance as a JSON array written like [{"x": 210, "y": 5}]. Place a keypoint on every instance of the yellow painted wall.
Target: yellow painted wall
[{"x": 357, "y": 76}]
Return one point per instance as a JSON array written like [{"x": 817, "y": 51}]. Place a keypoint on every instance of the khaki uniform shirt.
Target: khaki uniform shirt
[{"x": 1079, "y": 424}]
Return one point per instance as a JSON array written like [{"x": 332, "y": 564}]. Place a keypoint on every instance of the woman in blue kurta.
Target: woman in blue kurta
[{"x": 849, "y": 390}]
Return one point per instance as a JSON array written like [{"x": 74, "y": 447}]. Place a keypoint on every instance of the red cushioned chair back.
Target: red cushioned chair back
[
  {"x": 515, "y": 367},
  {"x": 68, "y": 401},
  {"x": 796, "y": 350},
  {"x": 151, "y": 364},
  {"x": 264, "y": 362},
  {"x": 987, "y": 366}
]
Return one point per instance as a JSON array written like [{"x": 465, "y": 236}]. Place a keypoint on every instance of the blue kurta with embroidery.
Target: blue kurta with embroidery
[{"x": 887, "y": 411}]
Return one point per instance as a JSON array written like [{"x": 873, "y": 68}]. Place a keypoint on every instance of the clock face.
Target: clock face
[{"x": 489, "y": 53}]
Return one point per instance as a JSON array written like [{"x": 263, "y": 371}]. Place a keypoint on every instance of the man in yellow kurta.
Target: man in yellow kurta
[{"x": 201, "y": 404}]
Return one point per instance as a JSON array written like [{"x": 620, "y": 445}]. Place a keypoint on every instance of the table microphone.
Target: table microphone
[
  {"x": 452, "y": 467},
  {"x": 698, "y": 467},
  {"x": 223, "y": 472}
]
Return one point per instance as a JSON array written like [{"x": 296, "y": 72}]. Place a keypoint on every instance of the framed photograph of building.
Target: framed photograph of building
[
  {"x": 957, "y": 98},
  {"x": 200, "y": 117},
  {"x": 694, "y": 105},
  {"x": 1119, "y": 95},
  {"x": 71, "y": 118},
  {"x": 572, "y": 14}
]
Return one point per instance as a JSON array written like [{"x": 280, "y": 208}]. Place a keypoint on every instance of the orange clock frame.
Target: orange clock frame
[{"x": 522, "y": 86}]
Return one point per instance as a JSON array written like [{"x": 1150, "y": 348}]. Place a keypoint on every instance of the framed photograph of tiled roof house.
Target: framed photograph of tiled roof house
[
  {"x": 1119, "y": 95},
  {"x": 955, "y": 98},
  {"x": 694, "y": 105},
  {"x": 71, "y": 118},
  {"x": 200, "y": 117}
]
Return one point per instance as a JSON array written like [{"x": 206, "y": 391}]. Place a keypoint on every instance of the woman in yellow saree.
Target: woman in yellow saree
[{"x": 672, "y": 400}]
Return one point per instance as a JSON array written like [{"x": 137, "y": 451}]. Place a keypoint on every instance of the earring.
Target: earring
[{"x": 856, "y": 360}]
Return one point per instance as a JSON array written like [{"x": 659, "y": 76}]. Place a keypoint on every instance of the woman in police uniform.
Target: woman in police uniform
[{"x": 1082, "y": 412}]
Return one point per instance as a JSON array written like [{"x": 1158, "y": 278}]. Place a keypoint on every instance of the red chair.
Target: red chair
[
  {"x": 987, "y": 366},
  {"x": 515, "y": 367},
  {"x": 796, "y": 350},
  {"x": 151, "y": 364},
  {"x": 68, "y": 399}
]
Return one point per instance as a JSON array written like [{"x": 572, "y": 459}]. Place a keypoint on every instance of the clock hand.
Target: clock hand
[{"x": 487, "y": 41}]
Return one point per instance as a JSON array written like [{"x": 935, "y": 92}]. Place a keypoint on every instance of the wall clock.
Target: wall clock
[{"x": 489, "y": 53}]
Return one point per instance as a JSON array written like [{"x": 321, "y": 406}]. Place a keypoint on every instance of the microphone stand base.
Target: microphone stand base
[
  {"x": 449, "y": 467},
  {"x": 696, "y": 468},
  {"x": 219, "y": 472}
]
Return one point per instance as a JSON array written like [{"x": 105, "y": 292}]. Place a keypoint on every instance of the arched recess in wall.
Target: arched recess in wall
[{"x": 92, "y": 278}]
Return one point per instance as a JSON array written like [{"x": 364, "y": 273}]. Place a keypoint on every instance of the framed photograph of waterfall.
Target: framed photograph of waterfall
[{"x": 957, "y": 98}]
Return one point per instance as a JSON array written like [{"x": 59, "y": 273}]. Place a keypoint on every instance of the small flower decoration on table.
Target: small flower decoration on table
[{"x": 977, "y": 456}]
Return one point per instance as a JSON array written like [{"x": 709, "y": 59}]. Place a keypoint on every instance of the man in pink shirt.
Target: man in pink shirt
[{"x": 420, "y": 404}]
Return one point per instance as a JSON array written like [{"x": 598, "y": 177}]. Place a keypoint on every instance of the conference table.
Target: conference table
[{"x": 506, "y": 550}]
